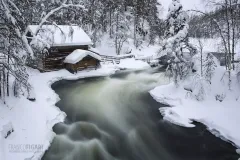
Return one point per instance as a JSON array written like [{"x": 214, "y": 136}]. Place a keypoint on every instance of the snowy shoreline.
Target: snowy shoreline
[
  {"x": 34, "y": 125},
  {"x": 221, "y": 118},
  {"x": 33, "y": 121}
]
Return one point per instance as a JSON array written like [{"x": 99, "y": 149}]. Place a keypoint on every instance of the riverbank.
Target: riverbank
[
  {"x": 32, "y": 122},
  {"x": 221, "y": 118},
  {"x": 126, "y": 125}
]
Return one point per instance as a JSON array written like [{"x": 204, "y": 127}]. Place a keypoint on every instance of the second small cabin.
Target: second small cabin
[{"x": 81, "y": 59}]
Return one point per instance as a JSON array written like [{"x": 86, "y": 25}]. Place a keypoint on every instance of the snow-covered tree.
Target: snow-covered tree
[
  {"x": 121, "y": 29},
  {"x": 177, "y": 41},
  {"x": 222, "y": 22},
  {"x": 209, "y": 67},
  {"x": 14, "y": 19},
  {"x": 141, "y": 15},
  {"x": 14, "y": 12},
  {"x": 199, "y": 88},
  {"x": 12, "y": 50},
  {"x": 238, "y": 69}
]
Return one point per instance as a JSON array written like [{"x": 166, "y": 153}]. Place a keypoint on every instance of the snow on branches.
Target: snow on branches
[
  {"x": 16, "y": 49},
  {"x": 13, "y": 14},
  {"x": 177, "y": 42},
  {"x": 209, "y": 67}
]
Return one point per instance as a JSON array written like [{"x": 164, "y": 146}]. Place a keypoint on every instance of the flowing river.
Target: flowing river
[{"x": 115, "y": 118}]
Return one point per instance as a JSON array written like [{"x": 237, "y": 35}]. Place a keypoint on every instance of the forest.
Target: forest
[
  {"x": 124, "y": 21},
  {"x": 146, "y": 58}
]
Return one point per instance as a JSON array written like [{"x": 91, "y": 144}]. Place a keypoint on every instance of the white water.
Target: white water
[
  {"x": 110, "y": 104},
  {"x": 116, "y": 118},
  {"x": 100, "y": 100}
]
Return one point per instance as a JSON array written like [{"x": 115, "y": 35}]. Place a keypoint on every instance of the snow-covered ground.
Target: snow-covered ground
[
  {"x": 33, "y": 121},
  {"x": 106, "y": 47},
  {"x": 210, "y": 45},
  {"x": 221, "y": 118},
  {"x": 131, "y": 64}
]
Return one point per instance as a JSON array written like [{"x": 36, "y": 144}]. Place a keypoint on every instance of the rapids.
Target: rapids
[{"x": 115, "y": 118}]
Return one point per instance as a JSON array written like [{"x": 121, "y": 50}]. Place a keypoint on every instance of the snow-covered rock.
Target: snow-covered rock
[
  {"x": 238, "y": 151},
  {"x": 7, "y": 129}
]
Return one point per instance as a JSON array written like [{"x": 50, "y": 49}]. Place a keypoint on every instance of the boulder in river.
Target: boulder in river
[{"x": 238, "y": 151}]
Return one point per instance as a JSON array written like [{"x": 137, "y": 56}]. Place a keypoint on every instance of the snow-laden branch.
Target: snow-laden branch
[
  {"x": 16, "y": 28},
  {"x": 223, "y": 4},
  {"x": 64, "y": 5},
  {"x": 13, "y": 20},
  {"x": 216, "y": 3},
  {"x": 18, "y": 11},
  {"x": 58, "y": 28}
]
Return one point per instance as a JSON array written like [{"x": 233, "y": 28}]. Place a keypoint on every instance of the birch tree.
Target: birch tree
[{"x": 227, "y": 25}]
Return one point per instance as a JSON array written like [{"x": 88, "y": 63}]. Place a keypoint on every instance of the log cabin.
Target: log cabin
[
  {"x": 63, "y": 40},
  {"x": 81, "y": 59}
]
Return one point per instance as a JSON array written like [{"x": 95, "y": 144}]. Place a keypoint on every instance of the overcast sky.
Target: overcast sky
[{"x": 187, "y": 4}]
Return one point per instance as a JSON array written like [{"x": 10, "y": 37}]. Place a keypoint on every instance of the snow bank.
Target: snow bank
[
  {"x": 148, "y": 51},
  {"x": 221, "y": 118},
  {"x": 106, "y": 47},
  {"x": 78, "y": 55},
  {"x": 131, "y": 63},
  {"x": 126, "y": 64},
  {"x": 33, "y": 121}
]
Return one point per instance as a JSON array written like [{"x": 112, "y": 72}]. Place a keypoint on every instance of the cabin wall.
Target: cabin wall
[
  {"x": 87, "y": 62},
  {"x": 53, "y": 60}
]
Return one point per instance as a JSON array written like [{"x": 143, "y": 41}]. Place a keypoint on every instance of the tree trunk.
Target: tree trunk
[
  {"x": 228, "y": 36},
  {"x": 117, "y": 30},
  {"x": 110, "y": 24},
  {"x": 233, "y": 19}
]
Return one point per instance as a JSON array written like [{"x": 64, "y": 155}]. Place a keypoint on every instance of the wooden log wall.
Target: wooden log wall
[
  {"x": 84, "y": 64},
  {"x": 54, "y": 59}
]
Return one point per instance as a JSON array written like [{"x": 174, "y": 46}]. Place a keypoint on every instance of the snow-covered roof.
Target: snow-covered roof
[
  {"x": 61, "y": 35},
  {"x": 78, "y": 55}
]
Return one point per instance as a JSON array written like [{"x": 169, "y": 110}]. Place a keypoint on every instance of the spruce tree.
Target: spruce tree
[
  {"x": 209, "y": 67},
  {"x": 176, "y": 41}
]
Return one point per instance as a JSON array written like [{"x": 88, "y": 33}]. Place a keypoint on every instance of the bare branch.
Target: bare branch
[{"x": 218, "y": 27}]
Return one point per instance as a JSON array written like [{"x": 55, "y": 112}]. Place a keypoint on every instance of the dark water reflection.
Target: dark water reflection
[{"x": 116, "y": 118}]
